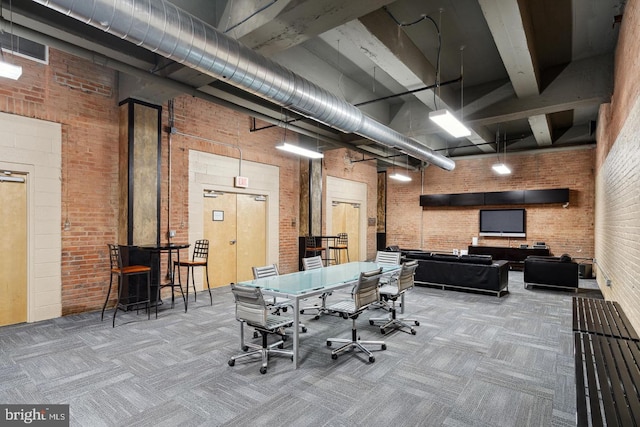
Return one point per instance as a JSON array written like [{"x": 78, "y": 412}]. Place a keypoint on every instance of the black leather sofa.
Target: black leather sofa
[
  {"x": 466, "y": 272},
  {"x": 559, "y": 272}
]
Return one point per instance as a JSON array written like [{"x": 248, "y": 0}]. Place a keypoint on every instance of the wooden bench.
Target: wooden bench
[
  {"x": 607, "y": 359},
  {"x": 601, "y": 317}
]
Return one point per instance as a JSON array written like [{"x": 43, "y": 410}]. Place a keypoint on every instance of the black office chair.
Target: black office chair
[
  {"x": 365, "y": 292},
  {"x": 129, "y": 299},
  {"x": 391, "y": 292},
  {"x": 200, "y": 258},
  {"x": 252, "y": 310}
]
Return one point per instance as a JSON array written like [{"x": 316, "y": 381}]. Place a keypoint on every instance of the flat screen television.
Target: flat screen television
[{"x": 503, "y": 222}]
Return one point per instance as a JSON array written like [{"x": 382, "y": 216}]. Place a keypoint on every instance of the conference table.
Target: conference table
[{"x": 304, "y": 284}]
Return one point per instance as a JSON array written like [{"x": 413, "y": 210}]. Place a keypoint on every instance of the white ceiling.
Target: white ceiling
[{"x": 533, "y": 71}]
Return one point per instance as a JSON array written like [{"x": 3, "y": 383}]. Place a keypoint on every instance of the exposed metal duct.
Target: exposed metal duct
[{"x": 165, "y": 29}]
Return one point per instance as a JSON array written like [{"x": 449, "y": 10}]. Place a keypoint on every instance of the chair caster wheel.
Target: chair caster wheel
[
  {"x": 285, "y": 337},
  {"x": 317, "y": 317},
  {"x": 255, "y": 334},
  {"x": 304, "y": 329},
  {"x": 334, "y": 356},
  {"x": 263, "y": 370},
  {"x": 372, "y": 359},
  {"x": 383, "y": 346},
  {"x": 413, "y": 331},
  {"x": 245, "y": 348},
  {"x": 382, "y": 331},
  {"x": 371, "y": 322},
  {"x": 344, "y": 315},
  {"x": 284, "y": 309},
  {"x": 231, "y": 362},
  {"x": 301, "y": 311},
  {"x": 328, "y": 343},
  {"x": 417, "y": 323},
  {"x": 281, "y": 345}
]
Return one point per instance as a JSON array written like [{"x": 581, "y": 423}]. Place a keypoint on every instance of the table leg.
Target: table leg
[{"x": 296, "y": 331}]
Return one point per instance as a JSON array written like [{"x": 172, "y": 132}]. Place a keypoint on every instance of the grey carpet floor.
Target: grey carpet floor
[{"x": 476, "y": 360}]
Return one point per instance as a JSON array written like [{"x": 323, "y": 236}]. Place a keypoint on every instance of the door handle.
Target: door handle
[{"x": 232, "y": 242}]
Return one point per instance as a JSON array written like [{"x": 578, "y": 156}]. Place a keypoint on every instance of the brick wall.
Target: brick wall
[
  {"x": 618, "y": 175},
  {"x": 80, "y": 96},
  {"x": 337, "y": 163},
  {"x": 565, "y": 230}
]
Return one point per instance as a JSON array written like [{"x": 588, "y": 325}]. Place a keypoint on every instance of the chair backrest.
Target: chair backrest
[
  {"x": 311, "y": 242},
  {"x": 342, "y": 239},
  {"x": 114, "y": 256},
  {"x": 201, "y": 250},
  {"x": 366, "y": 290},
  {"x": 405, "y": 280},
  {"x": 250, "y": 305},
  {"x": 311, "y": 263},
  {"x": 266, "y": 271},
  {"x": 388, "y": 258}
]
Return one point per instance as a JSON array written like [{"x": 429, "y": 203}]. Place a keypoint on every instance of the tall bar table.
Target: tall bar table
[{"x": 169, "y": 249}]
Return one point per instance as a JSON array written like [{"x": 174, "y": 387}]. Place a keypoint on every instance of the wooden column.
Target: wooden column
[{"x": 140, "y": 160}]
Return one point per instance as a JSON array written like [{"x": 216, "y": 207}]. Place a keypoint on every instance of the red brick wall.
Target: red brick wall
[
  {"x": 199, "y": 118},
  {"x": 81, "y": 97},
  {"x": 337, "y": 163},
  {"x": 565, "y": 230}
]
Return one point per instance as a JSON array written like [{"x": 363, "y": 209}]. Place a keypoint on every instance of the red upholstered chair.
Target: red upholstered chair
[{"x": 129, "y": 299}]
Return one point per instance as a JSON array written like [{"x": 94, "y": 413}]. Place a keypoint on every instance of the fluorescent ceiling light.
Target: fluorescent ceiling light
[
  {"x": 10, "y": 71},
  {"x": 399, "y": 177},
  {"x": 448, "y": 122},
  {"x": 299, "y": 151},
  {"x": 501, "y": 169}
]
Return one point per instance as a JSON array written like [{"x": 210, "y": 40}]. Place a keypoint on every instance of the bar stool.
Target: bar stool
[
  {"x": 199, "y": 258},
  {"x": 312, "y": 248},
  {"x": 121, "y": 271},
  {"x": 341, "y": 244}
]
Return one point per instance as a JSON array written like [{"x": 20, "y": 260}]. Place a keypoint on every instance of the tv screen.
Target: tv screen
[{"x": 503, "y": 222}]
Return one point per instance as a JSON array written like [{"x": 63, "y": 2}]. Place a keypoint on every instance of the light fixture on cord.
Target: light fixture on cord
[
  {"x": 401, "y": 177},
  {"x": 444, "y": 118},
  {"x": 8, "y": 69},
  {"x": 450, "y": 123},
  {"x": 295, "y": 149},
  {"x": 501, "y": 168}
]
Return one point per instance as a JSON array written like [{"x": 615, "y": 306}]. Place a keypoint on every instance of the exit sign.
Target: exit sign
[{"x": 241, "y": 182}]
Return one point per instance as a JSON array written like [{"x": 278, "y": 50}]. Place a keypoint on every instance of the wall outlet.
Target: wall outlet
[{"x": 172, "y": 234}]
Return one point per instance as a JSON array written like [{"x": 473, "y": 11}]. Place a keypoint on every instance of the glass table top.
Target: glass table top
[{"x": 302, "y": 282}]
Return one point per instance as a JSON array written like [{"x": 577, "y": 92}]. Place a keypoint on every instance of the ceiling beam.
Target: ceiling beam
[
  {"x": 512, "y": 30},
  {"x": 582, "y": 83}
]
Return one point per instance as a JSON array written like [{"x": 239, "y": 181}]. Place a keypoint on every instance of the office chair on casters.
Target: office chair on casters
[
  {"x": 365, "y": 292},
  {"x": 313, "y": 263},
  {"x": 199, "y": 258},
  {"x": 393, "y": 292},
  {"x": 340, "y": 245},
  {"x": 252, "y": 310},
  {"x": 129, "y": 300},
  {"x": 276, "y": 304}
]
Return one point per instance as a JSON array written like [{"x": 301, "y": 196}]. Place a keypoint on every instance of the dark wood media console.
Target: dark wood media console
[{"x": 515, "y": 256}]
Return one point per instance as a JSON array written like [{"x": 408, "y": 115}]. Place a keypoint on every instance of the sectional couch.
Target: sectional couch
[{"x": 465, "y": 272}]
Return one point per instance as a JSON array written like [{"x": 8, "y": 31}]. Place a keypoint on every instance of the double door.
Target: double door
[
  {"x": 345, "y": 218},
  {"x": 235, "y": 225},
  {"x": 13, "y": 262}
]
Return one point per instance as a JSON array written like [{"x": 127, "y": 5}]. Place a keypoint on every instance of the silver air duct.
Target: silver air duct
[{"x": 163, "y": 28}]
